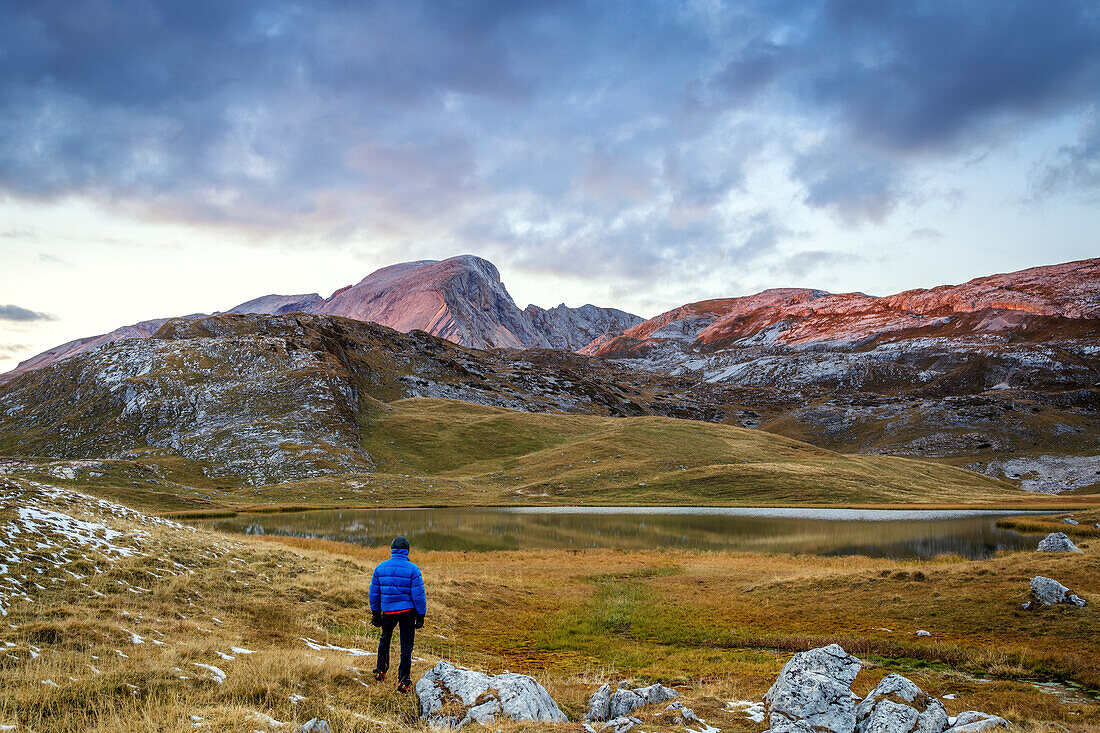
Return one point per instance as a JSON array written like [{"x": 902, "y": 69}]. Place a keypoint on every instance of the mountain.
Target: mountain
[
  {"x": 1052, "y": 301},
  {"x": 461, "y": 299},
  {"x": 210, "y": 409},
  {"x": 1000, "y": 374}
]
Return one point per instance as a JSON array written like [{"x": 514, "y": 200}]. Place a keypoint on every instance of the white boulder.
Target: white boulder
[
  {"x": 815, "y": 687},
  {"x": 897, "y": 705},
  {"x": 974, "y": 722},
  {"x": 1069, "y": 520},
  {"x": 1050, "y": 592},
  {"x": 1057, "y": 542},
  {"x": 452, "y": 697}
]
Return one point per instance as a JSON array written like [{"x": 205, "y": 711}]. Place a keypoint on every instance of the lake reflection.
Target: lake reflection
[{"x": 880, "y": 533}]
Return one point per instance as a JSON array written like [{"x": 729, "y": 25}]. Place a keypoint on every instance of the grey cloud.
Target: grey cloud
[
  {"x": 16, "y": 313},
  {"x": 1075, "y": 169},
  {"x": 854, "y": 185},
  {"x": 579, "y": 137},
  {"x": 925, "y": 233}
]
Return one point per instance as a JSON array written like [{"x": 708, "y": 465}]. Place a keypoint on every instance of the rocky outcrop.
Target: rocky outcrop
[
  {"x": 1049, "y": 592},
  {"x": 452, "y": 697},
  {"x": 1057, "y": 542},
  {"x": 815, "y": 687},
  {"x": 897, "y": 705}
]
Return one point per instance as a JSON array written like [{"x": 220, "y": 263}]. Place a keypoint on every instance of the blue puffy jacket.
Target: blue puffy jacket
[{"x": 397, "y": 586}]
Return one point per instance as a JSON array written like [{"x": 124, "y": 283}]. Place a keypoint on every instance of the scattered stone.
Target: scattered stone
[
  {"x": 1057, "y": 542},
  {"x": 1050, "y": 592},
  {"x": 815, "y": 687},
  {"x": 1069, "y": 520},
  {"x": 922, "y": 632},
  {"x": 682, "y": 715},
  {"x": 622, "y": 724},
  {"x": 897, "y": 704},
  {"x": 315, "y": 725},
  {"x": 973, "y": 722},
  {"x": 483, "y": 698}
]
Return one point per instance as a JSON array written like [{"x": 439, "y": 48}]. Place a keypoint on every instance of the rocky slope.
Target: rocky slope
[
  {"x": 273, "y": 398},
  {"x": 1058, "y": 301},
  {"x": 461, "y": 299}
]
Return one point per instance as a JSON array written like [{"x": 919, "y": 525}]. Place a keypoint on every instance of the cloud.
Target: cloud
[
  {"x": 925, "y": 233},
  {"x": 855, "y": 185},
  {"x": 53, "y": 259},
  {"x": 16, "y": 313},
  {"x": 571, "y": 136},
  {"x": 1074, "y": 169},
  {"x": 8, "y": 351}
]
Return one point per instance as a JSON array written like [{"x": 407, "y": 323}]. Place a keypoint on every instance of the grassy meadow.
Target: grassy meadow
[{"x": 292, "y": 614}]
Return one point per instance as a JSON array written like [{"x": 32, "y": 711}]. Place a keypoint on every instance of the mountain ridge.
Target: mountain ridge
[{"x": 461, "y": 299}]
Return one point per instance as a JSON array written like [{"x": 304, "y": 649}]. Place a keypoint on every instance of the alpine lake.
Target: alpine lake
[{"x": 898, "y": 534}]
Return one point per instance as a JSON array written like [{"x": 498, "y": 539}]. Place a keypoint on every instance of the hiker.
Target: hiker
[{"x": 397, "y": 599}]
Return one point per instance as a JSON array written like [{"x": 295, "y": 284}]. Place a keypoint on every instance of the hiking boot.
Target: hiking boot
[
  {"x": 403, "y": 688},
  {"x": 379, "y": 676}
]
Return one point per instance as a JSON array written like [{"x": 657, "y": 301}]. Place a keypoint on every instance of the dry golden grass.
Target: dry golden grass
[{"x": 717, "y": 625}]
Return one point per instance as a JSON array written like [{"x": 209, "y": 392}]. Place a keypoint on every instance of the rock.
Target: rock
[
  {"x": 1050, "y": 592},
  {"x": 815, "y": 687},
  {"x": 682, "y": 715},
  {"x": 625, "y": 701},
  {"x": 897, "y": 704},
  {"x": 474, "y": 696},
  {"x": 922, "y": 632},
  {"x": 972, "y": 722},
  {"x": 621, "y": 724},
  {"x": 1069, "y": 520},
  {"x": 315, "y": 725},
  {"x": 599, "y": 705},
  {"x": 796, "y": 726},
  {"x": 1057, "y": 542}
]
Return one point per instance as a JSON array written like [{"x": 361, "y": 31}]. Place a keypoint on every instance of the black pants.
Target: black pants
[{"x": 405, "y": 620}]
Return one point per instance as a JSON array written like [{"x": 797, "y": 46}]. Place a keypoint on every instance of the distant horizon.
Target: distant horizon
[{"x": 182, "y": 158}]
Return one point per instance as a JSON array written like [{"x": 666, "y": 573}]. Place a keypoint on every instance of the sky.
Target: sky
[{"x": 167, "y": 158}]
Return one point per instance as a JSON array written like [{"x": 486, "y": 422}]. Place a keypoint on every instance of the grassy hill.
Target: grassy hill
[{"x": 494, "y": 455}]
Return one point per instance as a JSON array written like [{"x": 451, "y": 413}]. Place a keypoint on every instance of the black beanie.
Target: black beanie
[{"x": 399, "y": 543}]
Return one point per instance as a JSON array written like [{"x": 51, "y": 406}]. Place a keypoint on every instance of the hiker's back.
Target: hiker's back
[{"x": 397, "y": 584}]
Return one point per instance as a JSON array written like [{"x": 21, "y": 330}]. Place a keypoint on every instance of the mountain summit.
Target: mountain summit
[{"x": 461, "y": 299}]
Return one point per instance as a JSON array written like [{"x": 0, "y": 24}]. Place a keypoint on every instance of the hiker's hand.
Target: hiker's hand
[
  {"x": 375, "y": 618},
  {"x": 419, "y": 623}
]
